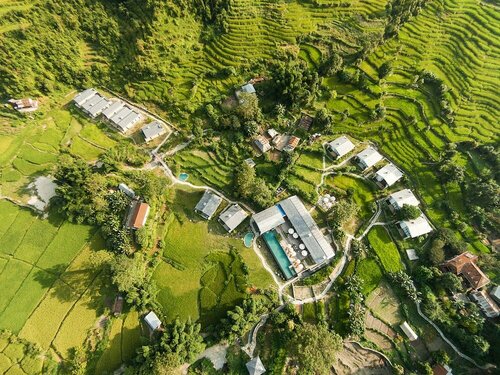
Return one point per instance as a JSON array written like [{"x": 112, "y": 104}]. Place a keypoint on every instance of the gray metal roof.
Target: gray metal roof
[
  {"x": 255, "y": 366},
  {"x": 153, "y": 129},
  {"x": 268, "y": 219},
  {"x": 306, "y": 228},
  {"x": 341, "y": 145},
  {"x": 152, "y": 320},
  {"x": 113, "y": 109},
  {"x": 233, "y": 216},
  {"x": 248, "y": 88},
  {"x": 99, "y": 107},
  {"x": 92, "y": 102},
  {"x": 120, "y": 115},
  {"x": 129, "y": 120},
  {"x": 84, "y": 96},
  {"x": 208, "y": 204}
]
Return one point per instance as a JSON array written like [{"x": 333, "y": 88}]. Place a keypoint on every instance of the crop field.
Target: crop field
[
  {"x": 370, "y": 273},
  {"x": 198, "y": 273},
  {"x": 54, "y": 293},
  {"x": 385, "y": 249}
]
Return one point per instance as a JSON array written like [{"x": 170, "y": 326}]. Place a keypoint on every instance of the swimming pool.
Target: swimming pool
[
  {"x": 279, "y": 254},
  {"x": 183, "y": 176},
  {"x": 248, "y": 239}
]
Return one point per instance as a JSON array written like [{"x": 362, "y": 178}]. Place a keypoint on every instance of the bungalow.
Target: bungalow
[
  {"x": 138, "y": 214},
  {"x": 486, "y": 304},
  {"x": 340, "y": 146},
  {"x": 465, "y": 265},
  {"x": 415, "y": 228},
  {"x": 113, "y": 109},
  {"x": 152, "y": 321},
  {"x": 232, "y": 216},
  {"x": 125, "y": 118},
  {"x": 153, "y": 130},
  {"x": 291, "y": 144},
  {"x": 24, "y": 105},
  {"x": 126, "y": 190},
  {"x": 262, "y": 144},
  {"x": 368, "y": 158},
  {"x": 408, "y": 331},
  {"x": 255, "y": 366},
  {"x": 388, "y": 175},
  {"x": 208, "y": 204},
  {"x": 83, "y": 97},
  {"x": 95, "y": 105},
  {"x": 398, "y": 199}
]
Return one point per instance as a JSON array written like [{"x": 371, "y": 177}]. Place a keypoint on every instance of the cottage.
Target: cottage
[
  {"x": 486, "y": 304},
  {"x": 388, "y": 175},
  {"x": 465, "y": 265},
  {"x": 126, "y": 190},
  {"x": 152, "y": 321},
  {"x": 262, "y": 144},
  {"x": 24, "y": 105},
  {"x": 208, "y": 204},
  {"x": 368, "y": 158},
  {"x": 268, "y": 219},
  {"x": 272, "y": 133},
  {"x": 415, "y": 228},
  {"x": 291, "y": 144},
  {"x": 250, "y": 162},
  {"x": 408, "y": 331},
  {"x": 232, "y": 216},
  {"x": 340, "y": 146},
  {"x": 398, "y": 199},
  {"x": 153, "y": 130},
  {"x": 138, "y": 215},
  {"x": 113, "y": 109},
  {"x": 255, "y": 366},
  {"x": 245, "y": 89}
]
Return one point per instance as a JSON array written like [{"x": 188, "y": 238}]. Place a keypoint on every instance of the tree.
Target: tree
[
  {"x": 451, "y": 282},
  {"x": 409, "y": 212},
  {"x": 314, "y": 348},
  {"x": 385, "y": 69},
  {"x": 485, "y": 194},
  {"x": 451, "y": 172},
  {"x": 323, "y": 118},
  {"x": 343, "y": 211},
  {"x": 248, "y": 109},
  {"x": 183, "y": 340},
  {"x": 436, "y": 252},
  {"x": 240, "y": 319}
]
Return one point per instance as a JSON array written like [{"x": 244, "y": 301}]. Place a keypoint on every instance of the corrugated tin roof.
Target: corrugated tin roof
[
  {"x": 268, "y": 219},
  {"x": 341, "y": 145},
  {"x": 208, "y": 203},
  {"x": 409, "y": 332},
  {"x": 83, "y": 96},
  {"x": 233, "y": 216},
  {"x": 113, "y": 109},
  {"x": 255, "y": 366},
  {"x": 390, "y": 174},
  {"x": 403, "y": 197}
]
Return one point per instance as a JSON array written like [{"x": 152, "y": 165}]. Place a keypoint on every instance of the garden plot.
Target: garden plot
[{"x": 355, "y": 360}]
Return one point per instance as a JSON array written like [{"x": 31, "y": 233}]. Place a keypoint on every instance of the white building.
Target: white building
[
  {"x": 232, "y": 216},
  {"x": 255, "y": 367},
  {"x": 152, "y": 321},
  {"x": 388, "y": 175},
  {"x": 153, "y": 130},
  {"x": 83, "y": 96},
  {"x": 398, "y": 199},
  {"x": 126, "y": 118},
  {"x": 408, "y": 331},
  {"x": 415, "y": 228},
  {"x": 208, "y": 204},
  {"x": 486, "y": 304},
  {"x": 113, "y": 109},
  {"x": 368, "y": 158},
  {"x": 340, "y": 146}
]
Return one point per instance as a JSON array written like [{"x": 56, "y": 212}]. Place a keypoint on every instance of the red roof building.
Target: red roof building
[
  {"x": 138, "y": 215},
  {"x": 465, "y": 265}
]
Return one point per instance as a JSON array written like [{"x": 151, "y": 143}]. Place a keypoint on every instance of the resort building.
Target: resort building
[
  {"x": 232, "y": 216},
  {"x": 126, "y": 190},
  {"x": 388, "y": 175},
  {"x": 398, "y": 199},
  {"x": 291, "y": 143},
  {"x": 138, "y": 215},
  {"x": 262, "y": 144},
  {"x": 465, "y": 265},
  {"x": 486, "y": 304},
  {"x": 153, "y": 130},
  {"x": 92, "y": 103},
  {"x": 408, "y": 331},
  {"x": 368, "y": 158},
  {"x": 208, "y": 204},
  {"x": 24, "y": 105},
  {"x": 415, "y": 228},
  {"x": 272, "y": 133},
  {"x": 255, "y": 366},
  {"x": 250, "y": 162},
  {"x": 84, "y": 96},
  {"x": 292, "y": 236},
  {"x": 340, "y": 146},
  {"x": 125, "y": 118},
  {"x": 113, "y": 109},
  {"x": 152, "y": 321}
]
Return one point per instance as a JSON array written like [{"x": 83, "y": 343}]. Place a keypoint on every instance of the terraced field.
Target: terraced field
[{"x": 9, "y": 14}]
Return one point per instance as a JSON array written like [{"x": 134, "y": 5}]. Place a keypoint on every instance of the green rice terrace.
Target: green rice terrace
[{"x": 149, "y": 156}]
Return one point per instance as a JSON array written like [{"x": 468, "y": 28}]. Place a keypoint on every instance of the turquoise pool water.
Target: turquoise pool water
[
  {"x": 278, "y": 254},
  {"x": 183, "y": 176},
  {"x": 248, "y": 239}
]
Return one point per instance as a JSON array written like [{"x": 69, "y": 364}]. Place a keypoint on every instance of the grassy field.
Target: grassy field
[
  {"x": 198, "y": 272},
  {"x": 385, "y": 249},
  {"x": 370, "y": 273},
  {"x": 55, "y": 294}
]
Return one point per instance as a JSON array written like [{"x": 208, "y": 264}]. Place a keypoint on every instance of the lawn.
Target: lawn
[
  {"x": 194, "y": 248},
  {"x": 385, "y": 249},
  {"x": 370, "y": 273}
]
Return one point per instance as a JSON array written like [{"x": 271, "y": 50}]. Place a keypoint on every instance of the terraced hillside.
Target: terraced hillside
[{"x": 10, "y": 12}]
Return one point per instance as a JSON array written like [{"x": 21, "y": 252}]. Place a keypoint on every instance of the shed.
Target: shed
[
  {"x": 412, "y": 254},
  {"x": 126, "y": 190},
  {"x": 398, "y": 199},
  {"x": 415, "y": 228},
  {"x": 208, "y": 204},
  {"x": 255, "y": 366},
  {"x": 292, "y": 143},
  {"x": 388, "y": 175},
  {"x": 262, "y": 144},
  {"x": 153, "y": 130},
  {"x": 408, "y": 331},
  {"x": 272, "y": 133},
  {"x": 24, "y": 105},
  {"x": 340, "y": 146},
  {"x": 152, "y": 321},
  {"x": 368, "y": 157},
  {"x": 250, "y": 162},
  {"x": 248, "y": 89},
  {"x": 117, "y": 305}
]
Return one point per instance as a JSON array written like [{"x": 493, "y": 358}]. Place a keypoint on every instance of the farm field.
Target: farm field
[
  {"x": 199, "y": 273},
  {"x": 385, "y": 249}
]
